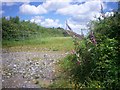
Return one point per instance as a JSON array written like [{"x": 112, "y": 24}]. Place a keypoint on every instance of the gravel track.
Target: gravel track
[{"x": 29, "y": 69}]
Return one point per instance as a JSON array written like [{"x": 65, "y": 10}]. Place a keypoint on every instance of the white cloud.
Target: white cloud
[
  {"x": 81, "y": 14},
  {"x": 89, "y": 6},
  {"x": 31, "y": 9},
  {"x": 46, "y": 22},
  {"x": 77, "y": 27},
  {"x": 7, "y": 17},
  {"x": 53, "y": 5},
  {"x": 1, "y": 12},
  {"x": 108, "y": 14},
  {"x": 51, "y": 23},
  {"x": 47, "y": 6},
  {"x": 37, "y": 19}
]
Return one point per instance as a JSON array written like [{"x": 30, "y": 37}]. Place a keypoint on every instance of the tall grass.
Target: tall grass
[{"x": 50, "y": 43}]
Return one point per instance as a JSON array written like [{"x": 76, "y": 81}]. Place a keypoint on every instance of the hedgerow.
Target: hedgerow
[{"x": 97, "y": 65}]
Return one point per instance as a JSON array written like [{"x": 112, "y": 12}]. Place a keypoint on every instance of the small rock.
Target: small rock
[
  {"x": 37, "y": 62},
  {"x": 35, "y": 81},
  {"x": 30, "y": 62},
  {"x": 36, "y": 77},
  {"x": 9, "y": 74},
  {"x": 3, "y": 80}
]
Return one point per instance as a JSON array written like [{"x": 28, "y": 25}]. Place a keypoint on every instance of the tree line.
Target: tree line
[{"x": 16, "y": 29}]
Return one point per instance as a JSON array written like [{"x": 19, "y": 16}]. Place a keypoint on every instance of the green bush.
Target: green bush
[{"x": 99, "y": 65}]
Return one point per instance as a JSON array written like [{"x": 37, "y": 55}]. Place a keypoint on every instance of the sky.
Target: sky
[{"x": 54, "y": 13}]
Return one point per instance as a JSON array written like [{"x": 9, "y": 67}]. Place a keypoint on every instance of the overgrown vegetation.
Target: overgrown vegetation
[
  {"x": 97, "y": 65},
  {"x": 14, "y": 29}
]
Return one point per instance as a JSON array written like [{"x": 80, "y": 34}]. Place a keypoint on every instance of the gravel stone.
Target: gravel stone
[{"x": 27, "y": 69}]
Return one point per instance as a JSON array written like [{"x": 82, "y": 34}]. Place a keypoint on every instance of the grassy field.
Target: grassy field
[{"x": 41, "y": 44}]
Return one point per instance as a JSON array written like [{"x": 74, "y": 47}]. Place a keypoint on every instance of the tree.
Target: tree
[{"x": 16, "y": 20}]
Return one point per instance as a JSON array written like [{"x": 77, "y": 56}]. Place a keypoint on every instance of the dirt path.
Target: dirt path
[{"x": 29, "y": 69}]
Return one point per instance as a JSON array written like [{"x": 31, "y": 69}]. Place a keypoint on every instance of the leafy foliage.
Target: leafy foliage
[
  {"x": 98, "y": 66},
  {"x": 14, "y": 29}
]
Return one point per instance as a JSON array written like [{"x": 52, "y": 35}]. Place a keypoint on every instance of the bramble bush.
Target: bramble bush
[{"x": 98, "y": 65}]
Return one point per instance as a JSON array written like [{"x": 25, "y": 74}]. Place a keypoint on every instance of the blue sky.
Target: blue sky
[{"x": 54, "y": 13}]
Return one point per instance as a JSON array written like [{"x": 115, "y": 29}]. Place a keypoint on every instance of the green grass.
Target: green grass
[
  {"x": 48, "y": 43},
  {"x": 63, "y": 68}
]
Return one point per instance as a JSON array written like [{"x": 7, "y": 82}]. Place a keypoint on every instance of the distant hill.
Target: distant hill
[{"x": 14, "y": 29}]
